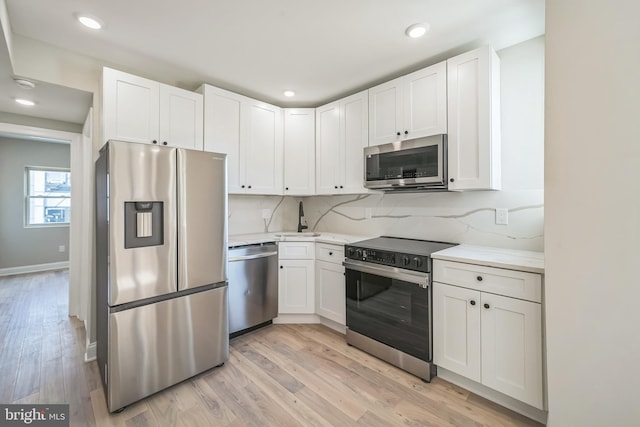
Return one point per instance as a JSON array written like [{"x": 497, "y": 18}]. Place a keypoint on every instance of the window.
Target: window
[{"x": 48, "y": 196}]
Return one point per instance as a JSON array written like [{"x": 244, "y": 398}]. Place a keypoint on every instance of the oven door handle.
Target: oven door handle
[{"x": 420, "y": 279}]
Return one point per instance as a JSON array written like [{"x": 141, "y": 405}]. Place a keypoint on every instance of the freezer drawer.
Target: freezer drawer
[{"x": 155, "y": 346}]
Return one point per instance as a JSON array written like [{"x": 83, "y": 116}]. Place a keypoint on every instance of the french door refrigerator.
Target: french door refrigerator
[{"x": 161, "y": 256}]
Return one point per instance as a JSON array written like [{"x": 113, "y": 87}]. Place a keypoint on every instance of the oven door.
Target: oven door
[{"x": 390, "y": 305}]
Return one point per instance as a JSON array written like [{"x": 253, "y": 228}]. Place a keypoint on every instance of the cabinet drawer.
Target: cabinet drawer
[
  {"x": 330, "y": 253},
  {"x": 511, "y": 283},
  {"x": 296, "y": 250}
]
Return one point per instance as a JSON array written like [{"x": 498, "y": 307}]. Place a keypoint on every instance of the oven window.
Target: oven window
[{"x": 391, "y": 311}]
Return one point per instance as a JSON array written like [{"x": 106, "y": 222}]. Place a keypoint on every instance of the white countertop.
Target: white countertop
[
  {"x": 335, "y": 238},
  {"x": 512, "y": 259}
]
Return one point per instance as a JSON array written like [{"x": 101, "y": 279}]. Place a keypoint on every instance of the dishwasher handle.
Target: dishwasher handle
[{"x": 253, "y": 256}]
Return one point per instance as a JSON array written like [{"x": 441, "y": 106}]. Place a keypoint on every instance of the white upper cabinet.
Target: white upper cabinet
[
  {"x": 411, "y": 106},
  {"x": 299, "y": 151},
  {"x": 262, "y": 149},
  {"x": 136, "y": 109},
  {"x": 341, "y": 135},
  {"x": 474, "y": 120},
  {"x": 250, "y": 133}
]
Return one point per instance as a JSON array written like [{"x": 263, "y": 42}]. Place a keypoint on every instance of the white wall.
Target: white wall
[{"x": 592, "y": 204}]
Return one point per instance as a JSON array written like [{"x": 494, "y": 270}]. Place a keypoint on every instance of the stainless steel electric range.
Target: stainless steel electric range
[{"x": 388, "y": 289}]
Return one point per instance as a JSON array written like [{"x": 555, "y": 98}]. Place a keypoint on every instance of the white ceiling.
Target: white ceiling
[{"x": 321, "y": 49}]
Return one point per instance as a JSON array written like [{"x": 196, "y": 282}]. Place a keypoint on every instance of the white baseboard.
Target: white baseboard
[
  {"x": 333, "y": 325},
  {"x": 494, "y": 396},
  {"x": 297, "y": 318},
  {"x": 90, "y": 352},
  {"x": 34, "y": 268}
]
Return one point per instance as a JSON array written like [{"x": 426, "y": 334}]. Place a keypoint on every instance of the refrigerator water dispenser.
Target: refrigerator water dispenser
[{"x": 143, "y": 224}]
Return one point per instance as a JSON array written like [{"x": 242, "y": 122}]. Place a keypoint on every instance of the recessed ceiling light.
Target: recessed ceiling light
[
  {"x": 416, "y": 30},
  {"x": 24, "y": 83},
  {"x": 289, "y": 93},
  {"x": 25, "y": 102},
  {"x": 89, "y": 21}
]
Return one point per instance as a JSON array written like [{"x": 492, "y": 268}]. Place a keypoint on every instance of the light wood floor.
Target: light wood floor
[{"x": 282, "y": 375}]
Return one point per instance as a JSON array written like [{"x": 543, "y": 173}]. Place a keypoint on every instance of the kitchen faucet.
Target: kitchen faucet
[{"x": 301, "y": 219}]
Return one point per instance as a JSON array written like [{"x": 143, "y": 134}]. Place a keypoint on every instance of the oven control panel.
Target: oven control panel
[{"x": 390, "y": 258}]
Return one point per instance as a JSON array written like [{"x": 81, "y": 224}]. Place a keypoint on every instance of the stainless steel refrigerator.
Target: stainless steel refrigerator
[{"x": 161, "y": 256}]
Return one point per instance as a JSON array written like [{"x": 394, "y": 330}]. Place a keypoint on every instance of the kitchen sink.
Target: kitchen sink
[{"x": 294, "y": 234}]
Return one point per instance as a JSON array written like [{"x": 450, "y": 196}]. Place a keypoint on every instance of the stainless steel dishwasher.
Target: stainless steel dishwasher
[{"x": 253, "y": 287}]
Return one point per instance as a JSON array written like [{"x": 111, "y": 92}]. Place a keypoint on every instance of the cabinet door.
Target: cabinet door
[
  {"x": 327, "y": 148},
  {"x": 425, "y": 102},
  {"x": 330, "y": 291},
  {"x": 261, "y": 148},
  {"x": 295, "y": 286},
  {"x": 512, "y": 347},
  {"x": 130, "y": 107},
  {"x": 222, "y": 111},
  {"x": 473, "y": 85},
  {"x": 354, "y": 129},
  {"x": 385, "y": 112},
  {"x": 299, "y": 151},
  {"x": 181, "y": 118},
  {"x": 456, "y": 330}
]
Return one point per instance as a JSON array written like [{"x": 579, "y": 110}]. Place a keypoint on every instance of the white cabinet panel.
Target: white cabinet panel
[
  {"x": 130, "y": 107},
  {"x": 136, "y": 109},
  {"x": 512, "y": 347},
  {"x": 299, "y": 151},
  {"x": 456, "y": 333},
  {"x": 341, "y": 135},
  {"x": 330, "y": 291},
  {"x": 181, "y": 117},
  {"x": 250, "y": 133},
  {"x": 261, "y": 148},
  {"x": 473, "y": 84},
  {"x": 296, "y": 286},
  {"x": 409, "y": 107}
]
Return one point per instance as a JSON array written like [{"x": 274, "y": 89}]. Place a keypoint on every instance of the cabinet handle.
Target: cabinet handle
[
  {"x": 479, "y": 278},
  {"x": 398, "y": 133},
  {"x": 249, "y": 187},
  {"x": 335, "y": 186},
  {"x": 154, "y": 141},
  {"x": 330, "y": 253},
  {"x": 472, "y": 302},
  {"x": 406, "y": 132},
  {"x": 286, "y": 188},
  {"x": 487, "y": 306},
  {"x": 164, "y": 143},
  {"x": 281, "y": 267},
  {"x": 242, "y": 186},
  {"x": 341, "y": 186},
  {"x": 451, "y": 180}
]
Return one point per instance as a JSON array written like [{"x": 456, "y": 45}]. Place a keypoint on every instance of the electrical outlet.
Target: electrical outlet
[
  {"x": 266, "y": 213},
  {"x": 61, "y": 248},
  {"x": 502, "y": 216}
]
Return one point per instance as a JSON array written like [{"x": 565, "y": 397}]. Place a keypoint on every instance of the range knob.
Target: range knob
[
  {"x": 406, "y": 260},
  {"x": 359, "y": 253},
  {"x": 417, "y": 261}
]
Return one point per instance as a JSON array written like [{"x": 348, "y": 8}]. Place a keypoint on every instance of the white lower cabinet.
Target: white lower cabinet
[
  {"x": 492, "y": 339},
  {"x": 330, "y": 286},
  {"x": 296, "y": 290}
]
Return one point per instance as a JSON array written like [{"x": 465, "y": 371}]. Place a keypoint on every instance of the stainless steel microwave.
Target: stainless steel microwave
[{"x": 418, "y": 164}]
